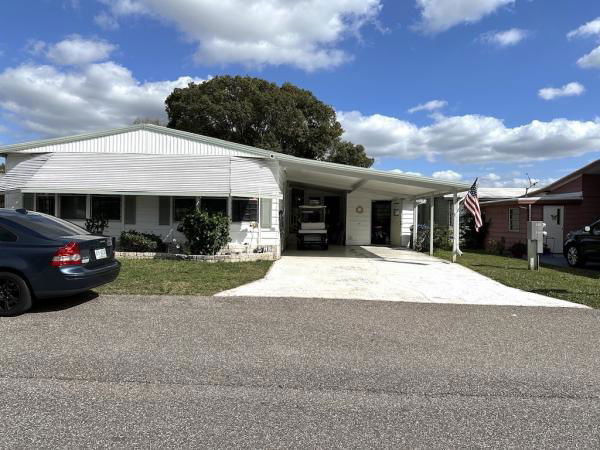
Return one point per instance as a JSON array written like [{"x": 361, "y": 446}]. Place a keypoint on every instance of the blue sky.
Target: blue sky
[{"x": 506, "y": 87}]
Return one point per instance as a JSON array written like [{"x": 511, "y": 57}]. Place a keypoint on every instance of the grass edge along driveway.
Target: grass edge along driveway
[
  {"x": 571, "y": 284},
  {"x": 168, "y": 277}
]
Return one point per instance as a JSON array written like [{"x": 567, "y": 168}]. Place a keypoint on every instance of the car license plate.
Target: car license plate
[{"x": 100, "y": 253}]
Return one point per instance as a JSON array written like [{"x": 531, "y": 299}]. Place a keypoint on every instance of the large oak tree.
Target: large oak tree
[{"x": 256, "y": 112}]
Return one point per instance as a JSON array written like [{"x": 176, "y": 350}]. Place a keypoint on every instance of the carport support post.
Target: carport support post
[
  {"x": 432, "y": 222},
  {"x": 415, "y": 224},
  {"x": 455, "y": 226}
]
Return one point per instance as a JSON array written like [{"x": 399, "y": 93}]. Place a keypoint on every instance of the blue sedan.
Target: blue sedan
[{"x": 42, "y": 257}]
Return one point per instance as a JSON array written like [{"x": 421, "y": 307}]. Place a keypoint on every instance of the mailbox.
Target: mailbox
[{"x": 535, "y": 232}]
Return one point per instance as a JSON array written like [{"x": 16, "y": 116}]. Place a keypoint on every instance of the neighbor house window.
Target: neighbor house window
[
  {"x": 244, "y": 210},
  {"x": 214, "y": 205},
  {"x": 514, "y": 219},
  {"x": 106, "y": 207},
  {"x": 266, "y": 213},
  {"x": 182, "y": 206},
  {"x": 72, "y": 207},
  {"x": 45, "y": 204}
]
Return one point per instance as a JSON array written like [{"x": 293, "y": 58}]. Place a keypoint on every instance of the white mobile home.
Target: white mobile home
[{"x": 144, "y": 177}]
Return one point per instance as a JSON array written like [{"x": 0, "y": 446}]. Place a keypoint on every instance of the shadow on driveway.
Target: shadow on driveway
[{"x": 61, "y": 304}]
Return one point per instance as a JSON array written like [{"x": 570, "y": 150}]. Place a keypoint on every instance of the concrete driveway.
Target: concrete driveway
[{"x": 383, "y": 273}]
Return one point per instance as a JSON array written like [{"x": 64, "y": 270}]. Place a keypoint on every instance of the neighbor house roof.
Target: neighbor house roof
[
  {"x": 147, "y": 138},
  {"x": 495, "y": 193},
  {"x": 568, "y": 197},
  {"x": 591, "y": 168}
]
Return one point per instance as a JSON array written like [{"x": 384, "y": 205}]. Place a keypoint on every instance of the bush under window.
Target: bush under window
[
  {"x": 206, "y": 233},
  {"x": 134, "y": 241}
]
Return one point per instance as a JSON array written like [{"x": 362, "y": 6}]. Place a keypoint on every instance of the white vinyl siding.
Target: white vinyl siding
[
  {"x": 514, "y": 219},
  {"x": 252, "y": 177},
  {"x": 20, "y": 169},
  {"x": 139, "y": 141},
  {"x": 406, "y": 221}
]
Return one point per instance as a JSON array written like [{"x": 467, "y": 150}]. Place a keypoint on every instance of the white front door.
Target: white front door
[{"x": 554, "y": 217}]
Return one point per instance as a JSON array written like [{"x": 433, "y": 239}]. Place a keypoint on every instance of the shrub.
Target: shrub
[
  {"x": 134, "y": 241},
  {"x": 442, "y": 238},
  {"x": 469, "y": 237},
  {"x": 518, "y": 249},
  {"x": 497, "y": 247},
  {"x": 206, "y": 233},
  {"x": 96, "y": 225}
]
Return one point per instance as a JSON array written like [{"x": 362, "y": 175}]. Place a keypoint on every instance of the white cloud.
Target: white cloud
[
  {"x": 448, "y": 175},
  {"x": 568, "y": 90},
  {"x": 57, "y": 101},
  {"x": 440, "y": 15},
  {"x": 471, "y": 138},
  {"x": 75, "y": 50},
  {"x": 506, "y": 38},
  {"x": 429, "y": 106},
  {"x": 416, "y": 174},
  {"x": 591, "y": 60},
  {"x": 255, "y": 33},
  {"x": 106, "y": 21},
  {"x": 591, "y": 28}
]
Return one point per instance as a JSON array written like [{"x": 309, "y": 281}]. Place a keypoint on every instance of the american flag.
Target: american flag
[{"x": 472, "y": 204}]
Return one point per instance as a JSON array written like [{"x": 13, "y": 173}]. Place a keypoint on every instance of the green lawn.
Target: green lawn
[
  {"x": 183, "y": 277},
  {"x": 575, "y": 285}
]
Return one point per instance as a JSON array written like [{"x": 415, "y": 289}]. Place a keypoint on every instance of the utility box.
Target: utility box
[
  {"x": 535, "y": 243},
  {"x": 535, "y": 232}
]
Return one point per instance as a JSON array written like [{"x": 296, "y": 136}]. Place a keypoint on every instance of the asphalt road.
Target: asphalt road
[{"x": 149, "y": 372}]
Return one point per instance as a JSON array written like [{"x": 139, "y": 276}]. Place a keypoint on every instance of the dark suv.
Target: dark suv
[
  {"x": 42, "y": 256},
  {"x": 583, "y": 245}
]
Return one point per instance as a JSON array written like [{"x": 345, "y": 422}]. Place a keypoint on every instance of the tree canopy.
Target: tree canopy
[{"x": 255, "y": 112}]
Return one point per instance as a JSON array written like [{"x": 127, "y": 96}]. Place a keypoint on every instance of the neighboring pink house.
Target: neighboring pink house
[{"x": 565, "y": 205}]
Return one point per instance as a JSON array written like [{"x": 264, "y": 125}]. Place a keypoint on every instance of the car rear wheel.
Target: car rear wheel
[
  {"x": 574, "y": 257},
  {"x": 15, "y": 297}
]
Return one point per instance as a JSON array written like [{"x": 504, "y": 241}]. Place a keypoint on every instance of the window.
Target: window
[
  {"x": 181, "y": 206},
  {"x": 266, "y": 213},
  {"x": 72, "y": 207},
  {"x": 106, "y": 207},
  {"x": 164, "y": 210},
  {"x": 214, "y": 205},
  {"x": 130, "y": 209},
  {"x": 244, "y": 210},
  {"x": 2, "y": 202},
  {"x": 45, "y": 204},
  {"x": 28, "y": 203},
  {"x": 6, "y": 236},
  {"x": 514, "y": 219}
]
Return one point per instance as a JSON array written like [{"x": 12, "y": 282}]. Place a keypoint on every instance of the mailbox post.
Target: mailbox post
[{"x": 535, "y": 243}]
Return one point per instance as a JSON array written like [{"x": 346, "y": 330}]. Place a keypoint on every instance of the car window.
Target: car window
[
  {"x": 6, "y": 236},
  {"x": 47, "y": 226}
]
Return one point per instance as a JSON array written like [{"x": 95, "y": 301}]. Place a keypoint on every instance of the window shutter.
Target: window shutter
[
  {"x": 164, "y": 210},
  {"x": 266, "y": 213},
  {"x": 28, "y": 201},
  {"x": 130, "y": 209}
]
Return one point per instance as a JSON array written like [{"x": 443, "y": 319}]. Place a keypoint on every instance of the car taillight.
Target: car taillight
[{"x": 69, "y": 255}]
